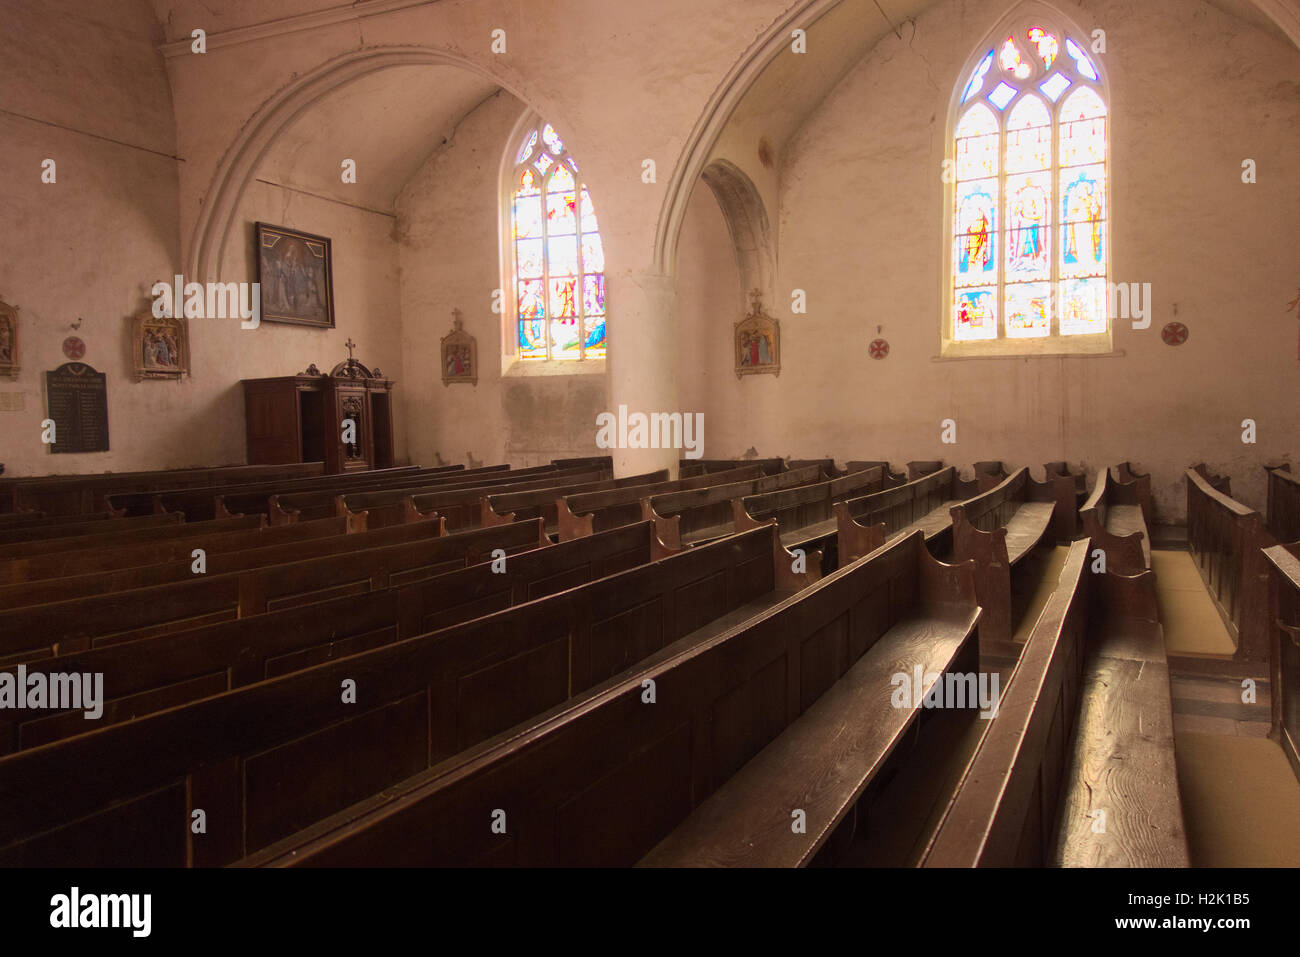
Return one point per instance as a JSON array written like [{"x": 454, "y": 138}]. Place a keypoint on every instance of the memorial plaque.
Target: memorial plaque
[{"x": 77, "y": 401}]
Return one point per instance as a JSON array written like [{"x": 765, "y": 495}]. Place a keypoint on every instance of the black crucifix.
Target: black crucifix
[{"x": 350, "y": 346}]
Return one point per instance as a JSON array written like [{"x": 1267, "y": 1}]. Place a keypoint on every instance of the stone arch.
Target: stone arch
[{"x": 748, "y": 223}]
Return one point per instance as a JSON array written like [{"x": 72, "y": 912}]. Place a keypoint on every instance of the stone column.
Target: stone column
[{"x": 642, "y": 365}]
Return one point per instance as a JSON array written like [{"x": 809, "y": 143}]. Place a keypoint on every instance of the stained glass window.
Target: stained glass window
[
  {"x": 558, "y": 260},
  {"x": 1029, "y": 215}
]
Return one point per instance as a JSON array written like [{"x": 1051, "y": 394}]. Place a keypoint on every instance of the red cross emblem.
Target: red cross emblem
[
  {"x": 878, "y": 349},
  {"x": 73, "y": 347},
  {"x": 1174, "y": 334}
]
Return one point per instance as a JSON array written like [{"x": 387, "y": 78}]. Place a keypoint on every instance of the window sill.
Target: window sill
[
  {"x": 513, "y": 368},
  {"x": 1093, "y": 346}
]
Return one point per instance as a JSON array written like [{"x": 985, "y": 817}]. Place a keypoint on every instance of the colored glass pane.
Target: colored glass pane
[
  {"x": 588, "y": 213},
  {"x": 531, "y": 305},
  {"x": 528, "y": 258},
  {"x": 544, "y": 163},
  {"x": 1082, "y": 306},
  {"x": 1054, "y": 86},
  {"x": 532, "y": 339},
  {"x": 1081, "y": 61},
  {"x": 562, "y": 255},
  {"x": 564, "y": 339},
  {"x": 1083, "y": 104},
  {"x": 529, "y": 183},
  {"x": 552, "y": 139},
  {"x": 975, "y": 259},
  {"x": 977, "y": 121},
  {"x": 1028, "y": 226},
  {"x": 1011, "y": 60},
  {"x": 1083, "y": 141},
  {"x": 561, "y": 213},
  {"x": 526, "y": 150},
  {"x": 1028, "y": 309},
  {"x": 593, "y": 253},
  {"x": 1045, "y": 44},
  {"x": 593, "y": 341},
  {"x": 975, "y": 314},
  {"x": 1002, "y": 94},
  {"x": 977, "y": 78},
  {"x": 564, "y": 299},
  {"x": 977, "y": 157},
  {"x": 528, "y": 216},
  {"x": 1029, "y": 136},
  {"x": 561, "y": 180},
  {"x": 593, "y": 295}
]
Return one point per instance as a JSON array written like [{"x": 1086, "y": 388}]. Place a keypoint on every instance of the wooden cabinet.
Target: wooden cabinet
[{"x": 306, "y": 417}]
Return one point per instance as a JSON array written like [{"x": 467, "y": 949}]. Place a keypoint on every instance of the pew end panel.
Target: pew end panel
[{"x": 854, "y": 541}]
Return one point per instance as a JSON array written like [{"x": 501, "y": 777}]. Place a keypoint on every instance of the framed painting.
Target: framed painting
[
  {"x": 296, "y": 273},
  {"x": 459, "y": 353},
  {"x": 8, "y": 340},
  {"x": 758, "y": 343},
  {"x": 161, "y": 346}
]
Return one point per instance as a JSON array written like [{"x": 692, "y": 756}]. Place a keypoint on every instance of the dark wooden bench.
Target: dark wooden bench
[
  {"x": 1226, "y": 538},
  {"x": 865, "y": 523},
  {"x": 46, "y": 533},
  {"x": 697, "y": 515},
  {"x": 460, "y": 505},
  {"x": 70, "y": 563},
  {"x": 80, "y": 623},
  {"x": 1065, "y": 523},
  {"x": 1084, "y": 726},
  {"x": 589, "y": 512},
  {"x": 889, "y": 478},
  {"x": 151, "y": 674},
  {"x": 80, "y": 494},
  {"x": 1284, "y": 648},
  {"x": 1112, "y": 516},
  {"x": 601, "y": 780},
  {"x": 36, "y": 519},
  {"x": 269, "y": 759},
  {"x": 996, "y": 530},
  {"x": 218, "y": 562},
  {"x": 689, "y": 468},
  {"x": 500, "y": 508},
  {"x": 173, "y": 528},
  {"x": 1282, "y": 514},
  {"x": 283, "y": 507},
  {"x": 806, "y": 514},
  {"x": 198, "y": 502}
]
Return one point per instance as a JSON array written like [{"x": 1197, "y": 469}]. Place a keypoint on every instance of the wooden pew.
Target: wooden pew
[
  {"x": 806, "y": 514},
  {"x": 47, "y": 533},
  {"x": 81, "y": 623},
  {"x": 865, "y": 523},
  {"x": 276, "y": 551},
  {"x": 197, "y": 502},
  {"x": 1065, "y": 523},
  {"x": 828, "y": 466},
  {"x": 36, "y": 519},
  {"x": 1113, "y": 518},
  {"x": 589, "y": 512},
  {"x": 603, "y": 779},
  {"x": 1125, "y": 474},
  {"x": 995, "y": 530},
  {"x": 889, "y": 478},
  {"x": 70, "y": 563},
  {"x": 605, "y": 462},
  {"x": 459, "y": 505},
  {"x": 689, "y": 468},
  {"x": 287, "y": 505},
  {"x": 80, "y": 494},
  {"x": 501, "y": 508},
  {"x": 697, "y": 515},
  {"x": 1284, "y": 648},
  {"x": 151, "y": 674},
  {"x": 1226, "y": 538},
  {"x": 1084, "y": 725},
  {"x": 274, "y": 757},
  {"x": 170, "y": 529},
  {"x": 1283, "y": 509}
]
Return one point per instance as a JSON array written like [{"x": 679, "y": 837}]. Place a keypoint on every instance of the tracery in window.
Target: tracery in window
[
  {"x": 558, "y": 259},
  {"x": 1029, "y": 215}
]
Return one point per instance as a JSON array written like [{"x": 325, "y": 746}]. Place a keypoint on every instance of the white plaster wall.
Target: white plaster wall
[
  {"x": 82, "y": 84},
  {"x": 1194, "y": 91}
]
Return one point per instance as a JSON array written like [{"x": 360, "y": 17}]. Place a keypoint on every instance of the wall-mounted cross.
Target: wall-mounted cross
[
  {"x": 350, "y": 345},
  {"x": 456, "y": 319},
  {"x": 757, "y": 296}
]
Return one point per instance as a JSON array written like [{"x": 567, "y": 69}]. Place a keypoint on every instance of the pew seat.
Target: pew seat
[{"x": 821, "y": 764}]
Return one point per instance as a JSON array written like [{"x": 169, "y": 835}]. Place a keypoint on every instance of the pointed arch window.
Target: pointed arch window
[
  {"x": 1030, "y": 254},
  {"x": 557, "y": 261}
]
